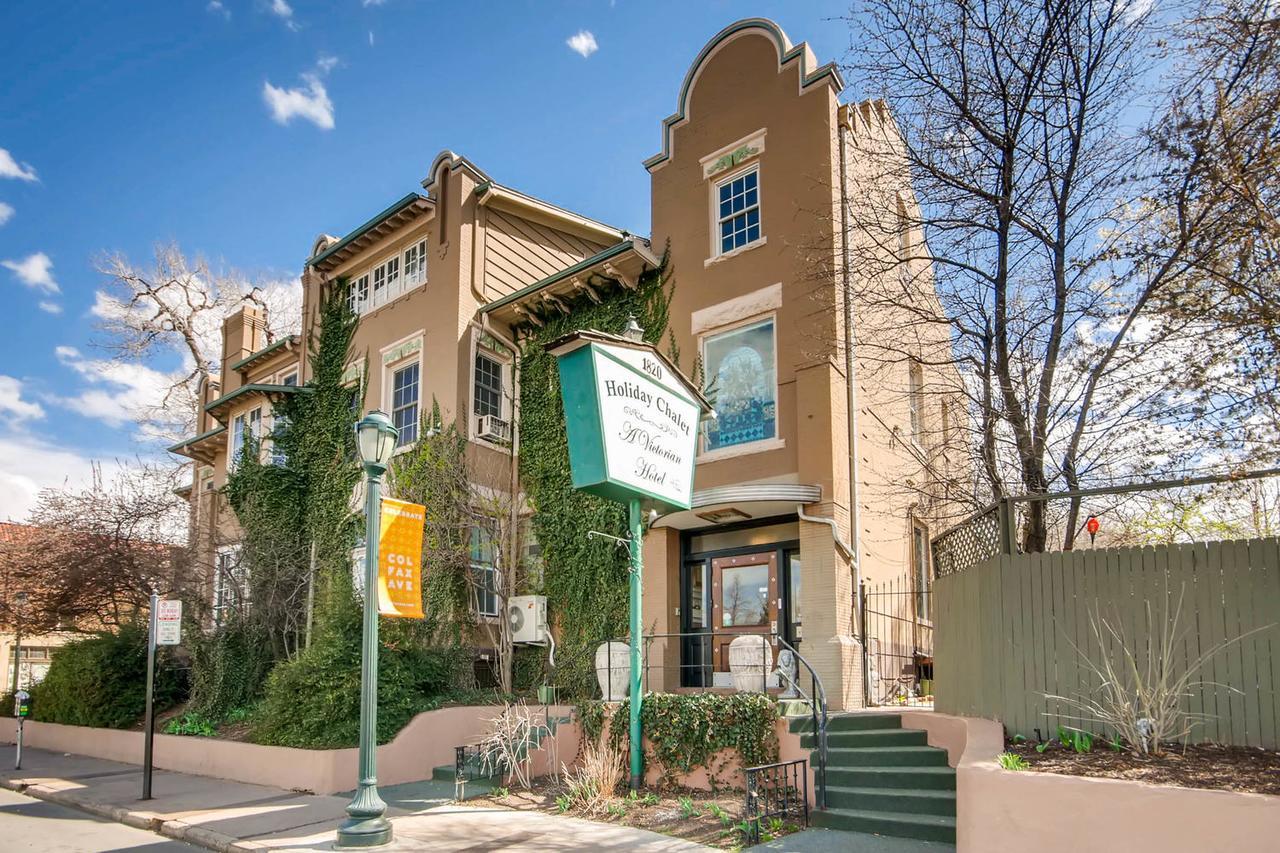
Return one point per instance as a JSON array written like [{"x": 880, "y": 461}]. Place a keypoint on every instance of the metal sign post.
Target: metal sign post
[
  {"x": 165, "y": 630},
  {"x": 20, "y": 710},
  {"x": 631, "y": 419}
]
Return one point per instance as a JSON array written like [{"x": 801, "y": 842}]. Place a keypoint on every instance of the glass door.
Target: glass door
[{"x": 744, "y": 600}]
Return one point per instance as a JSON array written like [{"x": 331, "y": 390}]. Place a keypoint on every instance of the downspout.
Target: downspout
[
  {"x": 842, "y": 545},
  {"x": 514, "y": 520},
  {"x": 852, "y": 419}
]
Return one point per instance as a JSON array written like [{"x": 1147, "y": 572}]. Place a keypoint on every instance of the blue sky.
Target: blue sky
[{"x": 243, "y": 128}]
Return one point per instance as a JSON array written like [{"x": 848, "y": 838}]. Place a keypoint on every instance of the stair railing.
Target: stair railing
[{"x": 817, "y": 700}]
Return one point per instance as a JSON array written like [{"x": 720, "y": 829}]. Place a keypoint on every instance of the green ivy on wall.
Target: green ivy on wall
[{"x": 585, "y": 579}]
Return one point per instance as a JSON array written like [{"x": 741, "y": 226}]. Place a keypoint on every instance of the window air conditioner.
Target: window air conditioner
[
  {"x": 493, "y": 428},
  {"x": 527, "y": 615}
]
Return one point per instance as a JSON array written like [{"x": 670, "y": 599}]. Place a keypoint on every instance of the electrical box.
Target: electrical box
[{"x": 527, "y": 615}]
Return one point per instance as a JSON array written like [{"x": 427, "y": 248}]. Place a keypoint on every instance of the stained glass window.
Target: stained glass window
[{"x": 742, "y": 367}]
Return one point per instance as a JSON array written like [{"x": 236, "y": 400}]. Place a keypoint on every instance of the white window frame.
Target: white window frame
[
  {"x": 248, "y": 426},
  {"x": 762, "y": 445},
  {"x": 921, "y": 571},
  {"x": 505, "y": 398},
  {"x": 915, "y": 401},
  {"x": 413, "y": 270},
  {"x": 389, "y": 371},
  {"x": 717, "y": 250},
  {"x": 478, "y": 591},
  {"x": 238, "y": 575}
]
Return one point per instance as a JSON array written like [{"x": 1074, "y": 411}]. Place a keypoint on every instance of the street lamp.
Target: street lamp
[{"x": 366, "y": 824}]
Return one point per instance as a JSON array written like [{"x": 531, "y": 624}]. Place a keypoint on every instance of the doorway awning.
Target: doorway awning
[{"x": 738, "y": 503}]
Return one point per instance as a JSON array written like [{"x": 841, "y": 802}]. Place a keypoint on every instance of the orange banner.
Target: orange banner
[{"x": 400, "y": 559}]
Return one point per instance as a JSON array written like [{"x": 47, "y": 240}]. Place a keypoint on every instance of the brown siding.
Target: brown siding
[{"x": 518, "y": 252}]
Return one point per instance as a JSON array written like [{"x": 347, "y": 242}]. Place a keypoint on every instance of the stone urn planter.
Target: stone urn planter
[
  {"x": 749, "y": 659},
  {"x": 613, "y": 670}
]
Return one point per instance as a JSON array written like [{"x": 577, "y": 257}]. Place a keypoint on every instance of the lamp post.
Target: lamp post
[
  {"x": 366, "y": 824},
  {"x": 20, "y": 601}
]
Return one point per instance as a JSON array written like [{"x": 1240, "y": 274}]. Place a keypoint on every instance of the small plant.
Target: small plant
[
  {"x": 720, "y": 814},
  {"x": 192, "y": 724},
  {"x": 502, "y": 793},
  {"x": 1012, "y": 761},
  {"x": 688, "y": 809},
  {"x": 1019, "y": 739},
  {"x": 563, "y": 803},
  {"x": 506, "y": 749},
  {"x": 649, "y": 799},
  {"x": 590, "y": 787},
  {"x": 617, "y": 809},
  {"x": 1042, "y": 746},
  {"x": 1116, "y": 744},
  {"x": 1082, "y": 742},
  {"x": 1064, "y": 736}
]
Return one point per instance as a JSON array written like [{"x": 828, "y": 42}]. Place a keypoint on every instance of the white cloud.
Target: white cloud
[
  {"x": 66, "y": 352},
  {"x": 34, "y": 272},
  {"x": 50, "y": 307},
  {"x": 11, "y": 168},
  {"x": 583, "y": 43},
  {"x": 370, "y": 38},
  {"x": 6, "y": 212},
  {"x": 217, "y": 7},
  {"x": 368, "y": 3},
  {"x": 325, "y": 64},
  {"x": 118, "y": 392},
  {"x": 311, "y": 103},
  {"x": 11, "y": 403},
  {"x": 282, "y": 10}
]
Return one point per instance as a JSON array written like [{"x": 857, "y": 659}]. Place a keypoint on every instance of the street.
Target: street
[{"x": 31, "y": 824}]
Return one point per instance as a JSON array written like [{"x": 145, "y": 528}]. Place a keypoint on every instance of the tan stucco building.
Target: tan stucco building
[{"x": 748, "y": 190}]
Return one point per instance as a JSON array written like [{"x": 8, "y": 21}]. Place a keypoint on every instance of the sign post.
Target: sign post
[
  {"x": 20, "y": 710},
  {"x": 165, "y": 630},
  {"x": 631, "y": 419}
]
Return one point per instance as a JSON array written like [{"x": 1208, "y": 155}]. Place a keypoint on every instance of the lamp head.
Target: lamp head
[{"x": 376, "y": 439}]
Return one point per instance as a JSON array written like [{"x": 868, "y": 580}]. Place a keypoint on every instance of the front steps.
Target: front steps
[{"x": 884, "y": 779}]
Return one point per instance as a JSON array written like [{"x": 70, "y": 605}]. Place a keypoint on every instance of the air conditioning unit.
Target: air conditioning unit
[
  {"x": 527, "y": 615},
  {"x": 493, "y": 428}
]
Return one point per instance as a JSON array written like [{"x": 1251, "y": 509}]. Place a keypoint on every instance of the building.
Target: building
[
  {"x": 749, "y": 190},
  {"x": 34, "y": 648}
]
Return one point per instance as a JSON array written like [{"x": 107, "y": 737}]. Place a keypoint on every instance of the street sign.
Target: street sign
[
  {"x": 168, "y": 623},
  {"x": 400, "y": 559}
]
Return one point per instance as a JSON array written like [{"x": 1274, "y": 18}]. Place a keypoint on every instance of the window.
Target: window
[
  {"x": 915, "y": 400},
  {"x": 415, "y": 264},
  {"x": 290, "y": 378},
  {"x": 744, "y": 595},
  {"x": 230, "y": 583},
  {"x": 483, "y": 573},
  {"x": 738, "y": 216},
  {"x": 922, "y": 578},
  {"x": 404, "y": 403},
  {"x": 244, "y": 427},
  {"x": 742, "y": 368},
  {"x": 795, "y": 572},
  {"x": 488, "y": 389},
  {"x": 358, "y": 294},
  {"x": 278, "y": 456}
]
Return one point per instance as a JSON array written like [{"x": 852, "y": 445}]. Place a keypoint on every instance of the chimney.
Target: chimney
[{"x": 244, "y": 332}]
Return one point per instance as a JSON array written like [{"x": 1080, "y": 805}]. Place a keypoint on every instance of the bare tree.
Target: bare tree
[
  {"x": 92, "y": 556},
  {"x": 1027, "y": 250},
  {"x": 175, "y": 307}
]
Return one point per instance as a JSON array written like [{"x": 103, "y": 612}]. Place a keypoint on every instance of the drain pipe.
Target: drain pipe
[
  {"x": 829, "y": 522},
  {"x": 855, "y": 526}
]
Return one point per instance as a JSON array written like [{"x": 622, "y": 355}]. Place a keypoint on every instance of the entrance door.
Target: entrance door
[{"x": 744, "y": 600}]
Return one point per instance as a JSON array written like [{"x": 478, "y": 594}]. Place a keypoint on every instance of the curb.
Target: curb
[{"x": 176, "y": 829}]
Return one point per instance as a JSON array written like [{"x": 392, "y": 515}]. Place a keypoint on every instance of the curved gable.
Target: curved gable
[{"x": 810, "y": 72}]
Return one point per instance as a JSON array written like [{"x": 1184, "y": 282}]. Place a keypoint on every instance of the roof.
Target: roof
[
  {"x": 203, "y": 447},
  {"x": 402, "y": 211},
  {"x": 189, "y": 442},
  {"x": 249, "y": 360},
  {"x": 526, "y": 205},
  {"x": 622, "y": 262},
  {"x": 12, "y": 533},
  {"x": 218, "y": 408}
]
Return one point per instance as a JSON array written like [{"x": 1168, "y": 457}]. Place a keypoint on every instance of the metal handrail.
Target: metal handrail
[{"x": 818, "y": 706}]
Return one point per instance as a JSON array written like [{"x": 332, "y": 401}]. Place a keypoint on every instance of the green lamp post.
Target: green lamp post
[{"x": 366, "y": 824}]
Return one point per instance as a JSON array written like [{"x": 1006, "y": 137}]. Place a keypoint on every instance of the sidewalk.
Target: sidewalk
[{"x": 232, "y": 816}]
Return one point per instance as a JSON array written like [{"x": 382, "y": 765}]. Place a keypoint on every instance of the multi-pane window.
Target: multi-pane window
[
  {"x": 488, "y": 390},
  {"x": 386, "y": 281},
  {"x": 921, "y": 576},
  {"x": 358, "y": 294},
  {"x": 739, "y": 210},
  {"x": 404, "y": 403},
  {"x": 742, "y": 367},
  {"x": 278, "y": 456},
  {"x": 915, "y": 400},
  {"x": 230, "y": 583},
  {"x": 244, "y": 427},
  {"x": 415, "y": 264},
  {"x": 483, "y": 572}
]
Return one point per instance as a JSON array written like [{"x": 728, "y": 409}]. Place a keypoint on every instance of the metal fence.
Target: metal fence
[
  {"x": 896, "y": 620},
  {"x": 776, "y": 792},
  {"x": 1016, "y": 630}
]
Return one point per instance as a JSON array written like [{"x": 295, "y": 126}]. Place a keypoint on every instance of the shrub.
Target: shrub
[
  {"x": 314, "y": 701},
  {"x": 1012, "y": 761},
  {"x": 228, "y": 669},
  {"x": 101, "y": 681}
]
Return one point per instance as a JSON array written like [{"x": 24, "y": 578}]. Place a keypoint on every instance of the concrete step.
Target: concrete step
[
  {"x": 936, "y": 778},
  {"x": 850, "y": 722},
  {"x": 868, "y": 737},
  {"x": 925, "y": 827},
  {"x": 904, "y": 800},
  {"x": 473, "y": 788},
  {"x": 885, "y": 756}
]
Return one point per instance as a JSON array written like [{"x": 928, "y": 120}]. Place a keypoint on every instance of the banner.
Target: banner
[{"x": 400, "y": 559}]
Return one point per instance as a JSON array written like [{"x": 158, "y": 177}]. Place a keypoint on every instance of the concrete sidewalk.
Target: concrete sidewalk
[{"x": 233, "y": 816}]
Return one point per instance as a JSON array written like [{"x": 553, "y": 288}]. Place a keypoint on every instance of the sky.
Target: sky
[{"x": 242, "y": 129}]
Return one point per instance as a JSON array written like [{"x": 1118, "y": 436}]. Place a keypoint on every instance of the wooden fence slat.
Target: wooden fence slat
[
  {"x": 1240, "y": 611},
  {"x": 1265, "y": 556}
]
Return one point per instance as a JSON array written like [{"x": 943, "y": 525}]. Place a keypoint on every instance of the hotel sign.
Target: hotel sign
[{"x": 631, "y": 419}]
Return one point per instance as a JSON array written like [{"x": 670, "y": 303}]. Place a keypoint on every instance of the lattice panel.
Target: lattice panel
[{"x": 963, "y": 547}]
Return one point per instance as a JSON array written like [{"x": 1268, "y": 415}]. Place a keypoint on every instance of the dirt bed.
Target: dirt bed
[
  {"x": 1226, "y": 768},
  {"x": 699, "y": 816}
]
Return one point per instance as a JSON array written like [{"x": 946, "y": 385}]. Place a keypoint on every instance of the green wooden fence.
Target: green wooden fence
[{"x": 1013, "y": 628}]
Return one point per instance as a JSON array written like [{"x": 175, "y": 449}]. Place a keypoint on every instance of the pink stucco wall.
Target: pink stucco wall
[
  {"x": 428, "y": 741},
  {"x": 1002, "y": 810}
]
